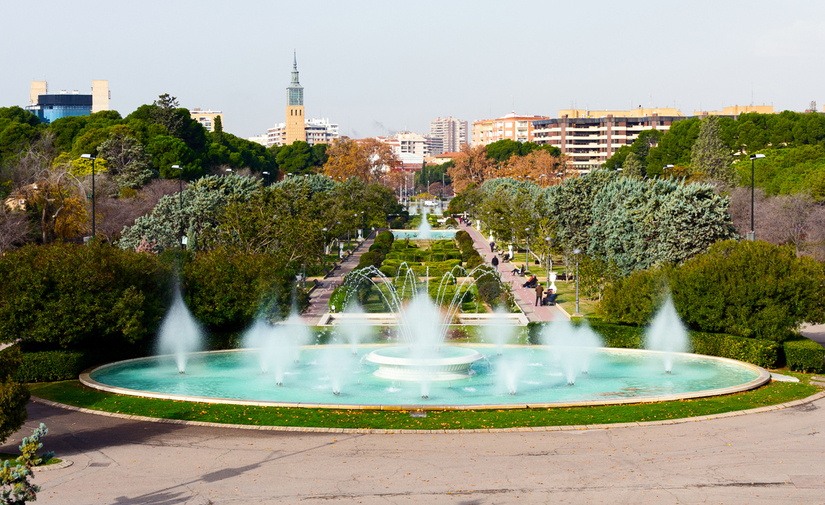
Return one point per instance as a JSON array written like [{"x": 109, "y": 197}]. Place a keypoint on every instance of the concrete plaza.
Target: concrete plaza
[{"x": 770, "y": 457}]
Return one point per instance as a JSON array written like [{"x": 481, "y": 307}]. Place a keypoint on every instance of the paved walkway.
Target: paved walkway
[
  {"x": 764, "y": 458},
  {"x": 525, "y": 297},
  {"x": 319, "y": 298}
]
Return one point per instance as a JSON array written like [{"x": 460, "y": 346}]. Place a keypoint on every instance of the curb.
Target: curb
[
  {"x": 58, "y": 466},
  {"x": 364, "y": 431}
]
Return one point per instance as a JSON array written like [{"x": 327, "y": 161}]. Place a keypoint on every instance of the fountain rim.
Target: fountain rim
[{"x": 764, "y": 377}]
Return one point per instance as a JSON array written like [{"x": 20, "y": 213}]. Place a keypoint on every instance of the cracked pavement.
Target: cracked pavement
[{"x": 771, "y": 457}]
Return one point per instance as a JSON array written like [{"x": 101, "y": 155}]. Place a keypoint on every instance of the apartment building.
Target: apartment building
[
  {"x": 589, "y": 137},
  {"x": 408, "y": 143},
  {"x": 207, "y": 118},
  {"x": 512, "y": 126},
  {"x": 447, "y": 135},
  {"x": 317, "y": 131}
]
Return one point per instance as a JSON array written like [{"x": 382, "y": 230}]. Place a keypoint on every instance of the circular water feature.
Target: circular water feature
[
  {"x": 520, "y": 376},
  {"x": 442, "y": 363}
]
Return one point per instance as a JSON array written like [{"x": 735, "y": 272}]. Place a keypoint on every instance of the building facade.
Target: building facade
[
  {"x": 294, "y": 128},
  {"x": 407, "y": 143},
  {"x": 512, "y": 126},
  {"x": 316, "y": 131},
  {"x": 589, "y": 138},
  {"x": 207, "y": 118},
  {"x": 448, "y": 135},
  {"x": 48, "y": 107}
]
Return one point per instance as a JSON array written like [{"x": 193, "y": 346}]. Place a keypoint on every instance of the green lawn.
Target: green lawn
[
  {"x": 73, "y": 393},
  {"x": 12, "y": 458}
]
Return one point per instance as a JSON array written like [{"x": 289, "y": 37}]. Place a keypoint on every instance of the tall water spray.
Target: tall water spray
[
  {"x": 279, "y": 346},
  {"x": 179, "y": 333},
  {"x": 354, "y": 326},
  {"x": 499, "y": 330},
  {"x": 425, "y": 231},
  {"x": 571, "y": 347},
  {"x": 667, "y": 334}
]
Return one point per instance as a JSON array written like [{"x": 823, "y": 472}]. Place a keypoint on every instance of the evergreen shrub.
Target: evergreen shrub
[
  {"x": 50, "y": 366},
  {"x": 804, "y": 356}
]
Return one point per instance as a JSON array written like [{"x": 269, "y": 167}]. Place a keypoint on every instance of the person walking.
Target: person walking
[
  {"x": 539, "y": 292},
  {"x": 492, "y": 246},
  {"x": 495, "y": 262}
]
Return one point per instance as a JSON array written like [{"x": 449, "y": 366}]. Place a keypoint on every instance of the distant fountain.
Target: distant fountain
[
  {"x": 179, "y": 333},
  {"x": 425, "y": 230},
  {"x": 667, "y": 334}
]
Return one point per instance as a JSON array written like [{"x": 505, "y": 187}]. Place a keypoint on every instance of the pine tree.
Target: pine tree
[
  {"x": 710, "y": 155},
  {"x": 632, "y": 166}
]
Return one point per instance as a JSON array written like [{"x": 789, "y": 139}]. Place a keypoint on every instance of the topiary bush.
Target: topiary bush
[
  {"x": 340, "y": 298},
  {"x": 50, "y": 366},
  {"x": 371, "y": 258},
  {"x": 804, "y": 356}
]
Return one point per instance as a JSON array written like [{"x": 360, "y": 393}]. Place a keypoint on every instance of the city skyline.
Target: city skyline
[{"x": 378, "y": 68}]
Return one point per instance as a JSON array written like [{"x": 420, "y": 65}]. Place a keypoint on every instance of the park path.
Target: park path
[
  {"x": 525, "y": 297},
  {"x": 319, "y": 297}
]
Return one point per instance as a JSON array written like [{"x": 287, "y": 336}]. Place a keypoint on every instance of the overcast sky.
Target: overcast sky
[{"x": 383, "y": 66}]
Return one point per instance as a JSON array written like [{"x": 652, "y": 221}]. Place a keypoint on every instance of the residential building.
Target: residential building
[
  {"x": 294, "y": 129},
  {"x": 316, "y": 131},
  {"x": 207, "y": 118},
  {"x": 512, "y": 126},
  {"x": 451, "y": 131},
  {"x": 259, "y": 139},
  {"x": 407, "y": 143},
  {"x": 590, "y": 137},
  {"x": 48, "y": 107}
]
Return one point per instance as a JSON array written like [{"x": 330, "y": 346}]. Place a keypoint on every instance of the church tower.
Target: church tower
[{"x": 295, "y": 129}]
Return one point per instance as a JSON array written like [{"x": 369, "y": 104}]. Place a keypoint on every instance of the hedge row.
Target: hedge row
[
  {"x": 469, "y": 255},
  {"x": 805, "y": 356},
  {"x": 760, "y": 352},
  {"x": 48, "y": 366}
]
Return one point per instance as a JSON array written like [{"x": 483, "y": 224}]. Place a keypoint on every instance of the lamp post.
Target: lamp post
[
  {"x": 549, "y": 241},
  {"x": 527, "y": 256},
  {"x": 324, "y": 248},
  {"x": 180, "y": 201},
  {"x": 664, "y": 168},
  {"x": 267, "y": 177},
  {"x": 752, "y": 234},
  {"x": 228, "y": 170},
  {"x": 93, "y": 158},
  {"x": 577, "y": 252}
]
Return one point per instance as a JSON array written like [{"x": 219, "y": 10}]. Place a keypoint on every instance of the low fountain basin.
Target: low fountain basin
[{"x": 437, "y": 364}]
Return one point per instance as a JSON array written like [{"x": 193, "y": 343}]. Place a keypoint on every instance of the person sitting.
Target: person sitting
[
  {"x": 531, "y": 282},
  {"x": 505, "y": 258},
  {"x": 550, "y": 299}
]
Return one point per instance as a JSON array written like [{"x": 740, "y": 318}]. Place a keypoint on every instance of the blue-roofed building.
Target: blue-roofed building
[{"x": 49, "y": 107}]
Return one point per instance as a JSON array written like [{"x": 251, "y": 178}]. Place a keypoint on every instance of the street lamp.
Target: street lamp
[
  {"x": 549, "y": 241},
  {"x": 93, "y": 158},
  {"x": 527, "y": 257},
  {"x": 180, "y": 201},
  {"x": 752, "y": 234},
  {"x": 228, "y": 170},
  {"x": 267, "y": 177},
  {"x": 664, "y": 168},
  {"x": 577, "y": 252}
]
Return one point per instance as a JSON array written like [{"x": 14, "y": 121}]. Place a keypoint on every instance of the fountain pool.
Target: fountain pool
[
  {"x": 614, "y": 376},
  {"x": 416, "y": 235}
]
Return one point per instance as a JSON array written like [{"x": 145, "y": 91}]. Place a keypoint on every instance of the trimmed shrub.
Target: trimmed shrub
[
  {"x": 804, "y": 356},
  {"x": 397, "y": 224},
  {"x": 764, "y": 353},
  {"x": 371, "y": 258},
  {"x": 451, "y": 222},
  {"x": 620, "y": 336},
  {"x": 340, "y": 297},
  {"x": 634, "y": 299},
  {"x": 385, "y": 237},
  {"x": 50, "y": 366},
  {"x": 388, "y": 270},
  {"x": 489, "y": 291}
]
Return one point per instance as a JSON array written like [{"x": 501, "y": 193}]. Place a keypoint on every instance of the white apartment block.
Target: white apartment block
[
  {"x": 408, "y": 143},
  {"x": 318, "y": 131},
  {"x": 451, "y": 131}
]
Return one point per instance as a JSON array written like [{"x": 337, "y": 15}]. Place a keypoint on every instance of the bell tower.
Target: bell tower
[{"x": 295, "y": 128}]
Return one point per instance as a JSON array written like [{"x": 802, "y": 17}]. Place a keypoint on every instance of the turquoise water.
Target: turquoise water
[
  {"x": 537, "y": 374},
  {"x": 434, "y": 234}
]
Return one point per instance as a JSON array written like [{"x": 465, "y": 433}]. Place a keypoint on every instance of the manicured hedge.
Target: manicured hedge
[
  {"x": 48, "y": 366},
  {"x": 764, "y": 353},
  {"x": 760, "y": 352},
  {"x": 804, "y": 356}
]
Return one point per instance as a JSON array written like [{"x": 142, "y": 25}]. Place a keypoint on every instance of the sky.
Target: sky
[{"x": 377, "y": 67}]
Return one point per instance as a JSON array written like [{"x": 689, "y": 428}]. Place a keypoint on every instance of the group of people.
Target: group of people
[
  {"x": 549, "y": 299},
  {"x": 541, "y": 298}
]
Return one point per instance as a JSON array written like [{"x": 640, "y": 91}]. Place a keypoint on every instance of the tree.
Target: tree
[
  {"x": 470, "y": 167},
  {"x": 632, "y": 166},
  {"x": 364, "y": 160},
  {"x": 164, "y": 113},
  {"x": 674, "y": 147},
  {"x": 541, "y": 166},
  {"x": 709, "y": 154},
  {"x": 127, "y": 161},
  {"x": 13, "y": 228}
]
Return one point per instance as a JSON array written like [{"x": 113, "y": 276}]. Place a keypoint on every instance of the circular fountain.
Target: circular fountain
[{"x": 280, "y": 366}]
